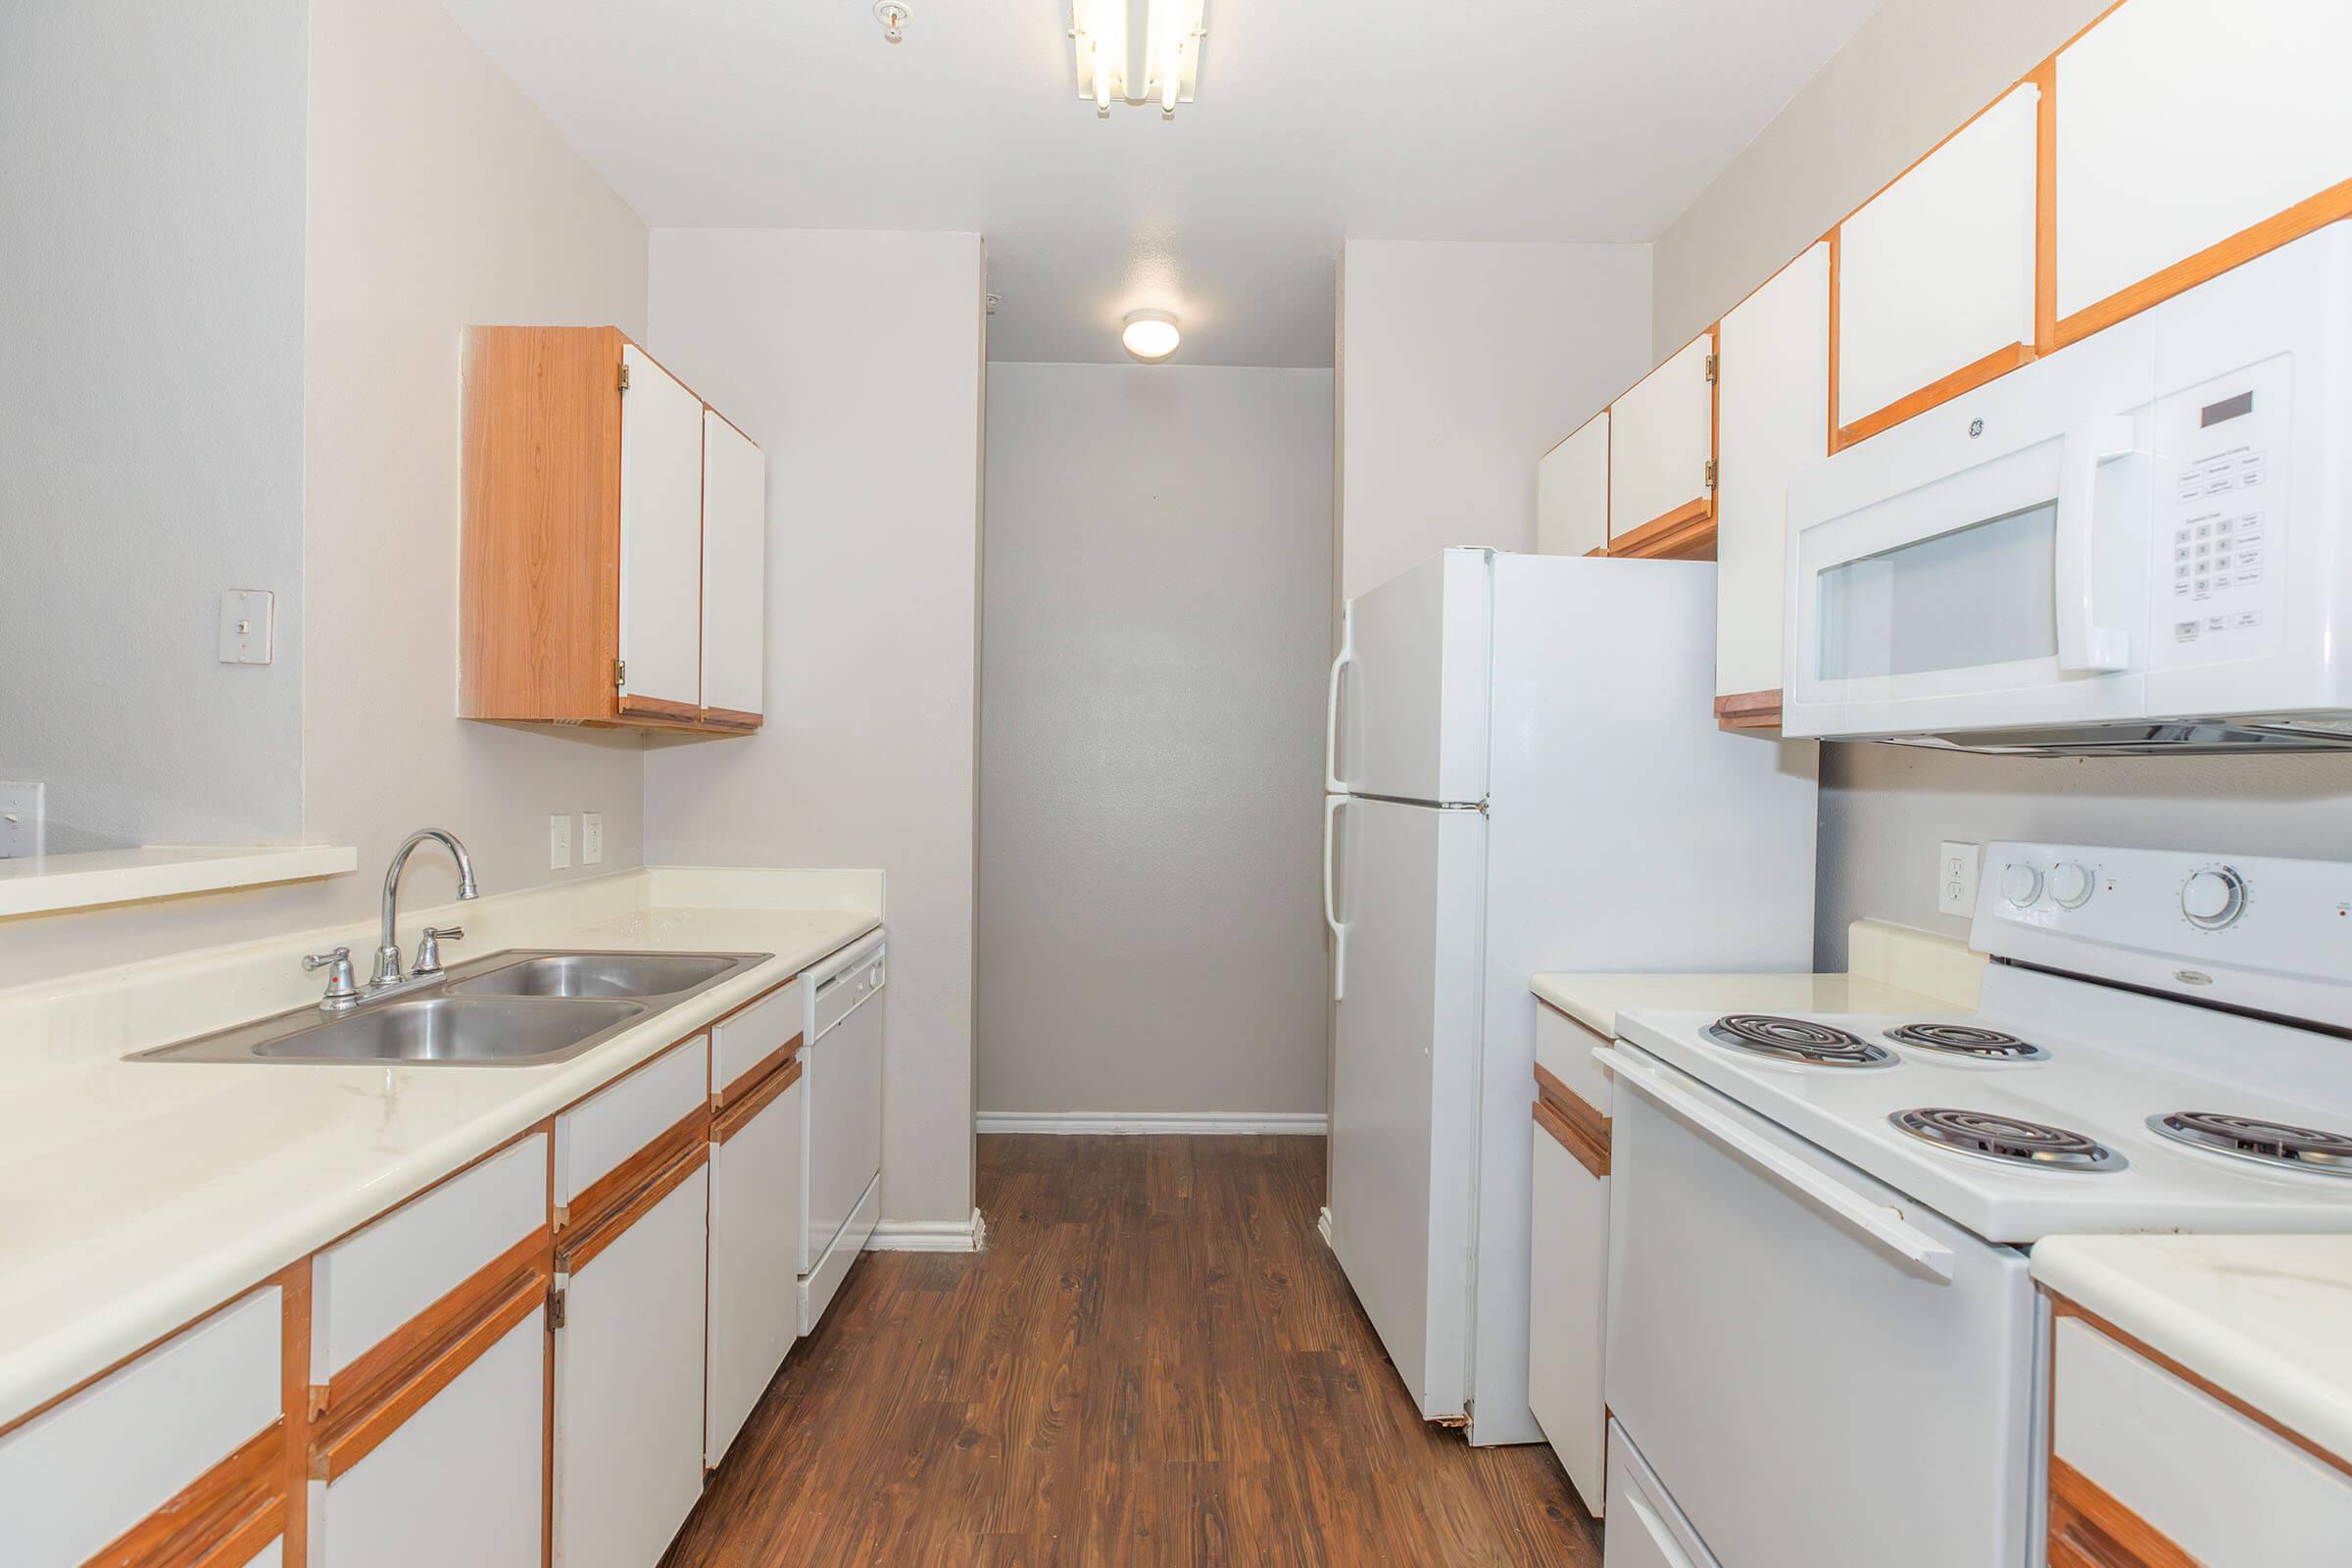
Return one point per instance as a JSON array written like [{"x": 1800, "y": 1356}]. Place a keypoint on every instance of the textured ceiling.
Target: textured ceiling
[{"x": 1317, "y": 119}]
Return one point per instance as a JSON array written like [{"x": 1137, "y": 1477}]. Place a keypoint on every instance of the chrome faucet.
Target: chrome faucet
[{"x": 428, "y": 959}]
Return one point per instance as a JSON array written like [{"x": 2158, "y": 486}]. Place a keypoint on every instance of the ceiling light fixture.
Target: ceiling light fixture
[
  {"x": 893, "y": 18},
  {"x": 1105, "y": 66},
  {"x": 1151, "y": 335}
]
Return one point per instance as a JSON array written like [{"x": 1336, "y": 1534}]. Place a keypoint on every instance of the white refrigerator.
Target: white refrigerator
[{"x": 1523, "y": 775}]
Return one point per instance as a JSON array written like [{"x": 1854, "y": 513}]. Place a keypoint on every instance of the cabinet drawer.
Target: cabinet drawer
[
  {"x": 2210, "y": 1482},
  {"x": 1564, "y": 1049},
  {"x": 623, "y": 1119},
  {"x": 80, "y": 1474},
  {"x": 367, "y": 1286},
  {"x": 749, "y": 1044}
]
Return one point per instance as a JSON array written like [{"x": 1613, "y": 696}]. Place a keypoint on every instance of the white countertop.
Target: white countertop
[
  {"x": 1596, "y": 999},
  {"x": 2267, "y": 1318},
  {"x": 134, "y": 1197}
]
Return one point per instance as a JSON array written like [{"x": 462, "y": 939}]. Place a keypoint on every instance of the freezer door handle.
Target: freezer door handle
[
  {"x": 1331, "y": 906},
  {"x": 1876, "y": 1221},
  {"x": 1331, "y": 702}
]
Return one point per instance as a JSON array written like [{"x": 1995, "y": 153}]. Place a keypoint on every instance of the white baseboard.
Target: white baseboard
[
  {"x": 1206, "y": 1123},
  {"x": 929, "y": 1235},
  {"x": 1323, "y": 1223}
]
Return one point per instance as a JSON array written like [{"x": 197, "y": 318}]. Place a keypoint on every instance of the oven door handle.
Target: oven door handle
[
  {"x": 1332, "y": 782},
  {"x": 1883, "y": 1225},
  {"x": 2084, "y": 643}
]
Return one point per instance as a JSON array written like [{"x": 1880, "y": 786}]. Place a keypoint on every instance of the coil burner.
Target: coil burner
[
  {"x": 1797, "y": 1040},
  {"x": 2007, "y": 1139}
]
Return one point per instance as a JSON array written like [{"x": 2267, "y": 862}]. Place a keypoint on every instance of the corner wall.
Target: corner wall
[{"x": 855, "y": 360}]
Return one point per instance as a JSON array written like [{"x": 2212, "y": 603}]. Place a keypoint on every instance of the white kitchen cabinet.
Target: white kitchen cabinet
[
  {"x": 1773, "y": 388},
  {"x": 754, "y": 1251},
  {"x": 734, "y": 619},
  {"x": 1661, "y": 454},
  {"x": 660, "y": 534},
  {"x": 95, "y": 1466},
  {"x": 629, "y": 1381},
  {"x": 1572, "y": 492},
  {"x": 2207, "y": 1482},
  {"x": 2182, "y": 123},
  {"x": 1646, "y": 1528},
  {"x": 1935, "y": 273},
  {"x": 622, "y": 1122},
  {"x": 1568, "y": 1257}
]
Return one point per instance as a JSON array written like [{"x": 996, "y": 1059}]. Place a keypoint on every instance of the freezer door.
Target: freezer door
[
  {"x": 1405, "y": 1079},
  {"x": 1407, "y": 716}
]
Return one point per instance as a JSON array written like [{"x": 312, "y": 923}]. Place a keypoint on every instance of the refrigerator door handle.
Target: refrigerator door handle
[
  {"x": 1330, "y": 911},
  {"x": 1331, "y": 702}
]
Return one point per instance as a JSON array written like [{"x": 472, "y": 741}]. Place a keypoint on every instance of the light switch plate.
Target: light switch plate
[
  {"x": 559, "y": 842},
  {"x": 592, "y": 838},
  {"x": 247, "y": 621},
  {"x": 21, "y": 809},
  {"x": 1957, "y": 867}
]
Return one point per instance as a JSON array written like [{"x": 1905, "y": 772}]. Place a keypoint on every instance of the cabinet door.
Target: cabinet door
[
  {"x": 754, "y": 1252},
  {"x": 1572, "y": 492},
  {"x": 660, "y": 536},
  {"x": 1936, "y": 275},
  {"x": 1567, "y": 1291},
  {"x": 734, "y": 569},
  {"x": 630, "y": 1387},
  {"x": 1775, "y": 423},
  {"x": 1661, "y": 438},
  {"x": 2182, "y": 123},
  {"x": 458, "y": 1483}
]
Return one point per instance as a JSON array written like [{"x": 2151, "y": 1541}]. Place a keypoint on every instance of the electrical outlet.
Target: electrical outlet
[
  {"x": 559, "y": 842},
  {"x": 1957, "y": 867},
  {"x": 592, "y": 838},
  {"x": 21, "y": 812}
]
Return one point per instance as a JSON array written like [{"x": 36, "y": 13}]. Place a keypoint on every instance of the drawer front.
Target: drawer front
[
  {"x": 598, "y": 1134},
  {"x": 2214, "y": 1485},
  {"x": 753, "y": 1038},
  {"x": 1564, "y": 1049},
  {"x": 1567, "y": 1300},
  {"x": 79, "y": 1475},
  {"x": 370, "y": 1283}
]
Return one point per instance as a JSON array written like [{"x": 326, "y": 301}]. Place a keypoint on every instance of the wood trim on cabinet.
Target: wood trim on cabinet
[
  {"x": 294, "y": 1284},
  {"x": 1748, "y": 710},
  {"x": 582, "y": 1246},
  {"x": 1597, "y": 552},
  {"x": 2089, "y": 1528},
  {"x": 740, "y": 1114},
  {"x": 618, "y": 1187},
  {"x": 1836, "y": 242},
  {"x": 757, "y": 1073},
  {"x": 223, "y": 1516},
  {"x": 730, "y": 718},
  {"x": 2045, "y": 78},
  {"x": 1991, "y": 367},
  {"x": 376, "y": 1372},
  {"x": 2306, "y": 216},
  {"x": 343, "y": 1441},
  {"x": 1573, "y": 1121},
  {"x": 2063, "y": 1307},
  {"x": 632, "y": 706},
  {"x": 1686, "y": 533}
]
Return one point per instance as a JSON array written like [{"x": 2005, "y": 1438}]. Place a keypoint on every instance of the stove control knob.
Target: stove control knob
[
  {"x": 2070, "y": 884},
  {"x": 2214, "y": 897},
  {"x": 2021, "y": 884}
]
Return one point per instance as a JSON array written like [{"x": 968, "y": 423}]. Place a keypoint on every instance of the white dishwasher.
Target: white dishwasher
[{"x": 840, "y": 1145}]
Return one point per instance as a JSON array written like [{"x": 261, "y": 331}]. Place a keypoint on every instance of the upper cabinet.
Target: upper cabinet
[
  {"x": 2192, "y": 134},
  {"x": 613, "y": 563},
  {"x": 1662, "y": 459},
  {"x": 1572, "y": 492},
  {"x": 1936, "y": 276},
  {"x": 1774, "y": 392}
]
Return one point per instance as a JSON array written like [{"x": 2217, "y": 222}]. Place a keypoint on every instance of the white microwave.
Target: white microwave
[{"x": 2141, "y": 542}]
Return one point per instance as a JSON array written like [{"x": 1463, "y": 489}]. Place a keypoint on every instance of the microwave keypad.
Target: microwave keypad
[{"x": 2220, "y": 548}]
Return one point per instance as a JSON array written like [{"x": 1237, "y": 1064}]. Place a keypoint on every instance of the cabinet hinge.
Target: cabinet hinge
[
  {"x": 1710, "y": 474},
  {"x": 624, "y": 374},
  {"x": 621, "y": 666},
  {"x": 555, "y": 1306},
  {"x": 1714, "y": 363}
]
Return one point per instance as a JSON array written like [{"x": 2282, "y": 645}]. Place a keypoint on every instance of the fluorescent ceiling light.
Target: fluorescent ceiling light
[
  {"x": 1151, "y": 335},
  {"x": 1105, "y": 64}
]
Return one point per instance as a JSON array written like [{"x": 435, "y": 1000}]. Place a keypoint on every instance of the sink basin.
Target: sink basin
[
  {"x": 598, "y": 975},
  {"x": 481, "y": 1030}
]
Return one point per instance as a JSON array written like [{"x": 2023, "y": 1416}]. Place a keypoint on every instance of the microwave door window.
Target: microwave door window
[{"x": 1978, "y": 595}]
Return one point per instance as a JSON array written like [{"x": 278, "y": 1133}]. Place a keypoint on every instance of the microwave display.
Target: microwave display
[
  {"x": 1975, "y": 595},
  {"x": 2227, "y": 409}
]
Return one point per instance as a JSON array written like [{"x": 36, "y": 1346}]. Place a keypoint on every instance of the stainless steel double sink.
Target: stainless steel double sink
[{"x": 519, "y": 1008}]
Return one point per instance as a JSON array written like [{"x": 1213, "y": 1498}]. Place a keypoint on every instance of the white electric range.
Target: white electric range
[{"x": 1824, "y": 1345}]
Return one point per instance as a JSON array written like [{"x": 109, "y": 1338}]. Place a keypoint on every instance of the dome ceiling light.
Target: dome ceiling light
[
  {"x": 1151, "y": 335},
  {"x": 1102, "y": 55}
]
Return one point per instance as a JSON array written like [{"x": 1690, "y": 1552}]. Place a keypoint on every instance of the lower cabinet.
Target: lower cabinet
[
  {"x": 1568, "y": 1255},
  {"x": 628, "y": 1425},
  {"x": 754, "y": 1251},
  {"x": 1646, "y": 1529}
]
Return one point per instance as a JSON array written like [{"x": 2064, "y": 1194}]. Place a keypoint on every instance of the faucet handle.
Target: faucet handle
[
  {"x": 428, "y": 948},
  {"x": 342, "y": 988}
]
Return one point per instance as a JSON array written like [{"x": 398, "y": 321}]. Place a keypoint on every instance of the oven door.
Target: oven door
[{"x": 1818, "y": 1370}]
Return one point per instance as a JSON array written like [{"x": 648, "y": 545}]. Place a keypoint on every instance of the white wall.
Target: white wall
[
  {"x": 1914, "y": 71},
  {"x": 151, "y": 220},
  {"x": 436, "y": 197},
  {"x": 1460, "y": 365},
  {"x": 855, "y": 359},
  {"x": 1158, "y": 568}
]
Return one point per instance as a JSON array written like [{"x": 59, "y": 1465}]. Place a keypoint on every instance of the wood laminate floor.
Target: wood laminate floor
[{"x": 1155, "y": 1360}]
